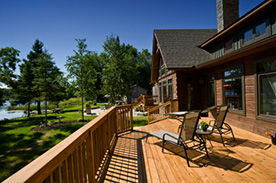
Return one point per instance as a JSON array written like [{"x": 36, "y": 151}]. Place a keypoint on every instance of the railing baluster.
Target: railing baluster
[
  {"x": 65, "y": 171},
  {"x": 90, "y": 158},
  {"x": 84, "y": 150},
  {"x": 58, "y": 177},
  {"x": 81, "y": 163},
  {"x": 71, "y": 168}
]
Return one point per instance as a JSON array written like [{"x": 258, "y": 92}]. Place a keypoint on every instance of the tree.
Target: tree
[
  {"x": 119, "y": 68},
  {"x": 76, "y": 66},
  {"x": 8, "y": 61},
  {"x": 92, "y": 74},
  {"x": 143, "y": 68},
  {"x": 46, "y": 79},
  {"x": 34, "y": 56},
  {"x": 23, "y": 91}
]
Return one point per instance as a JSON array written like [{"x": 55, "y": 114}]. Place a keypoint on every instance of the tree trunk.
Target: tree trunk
[
  {"x": 46, "y": 123},
  {"x": 29, "y": 108},
  {"x": 57, "y": 105},
  {"x": 82, "y": 108},
  {"x": 38, "y": 107}
]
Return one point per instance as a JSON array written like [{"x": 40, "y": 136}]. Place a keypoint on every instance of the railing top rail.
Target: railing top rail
[
  {"x": 47, "y": 161},
  {"x": 123, "y": 106},
  {"x": 157, "y": 107}
]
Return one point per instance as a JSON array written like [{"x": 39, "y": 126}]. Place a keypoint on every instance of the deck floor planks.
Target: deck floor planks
[{"x": 171, "y": 167}]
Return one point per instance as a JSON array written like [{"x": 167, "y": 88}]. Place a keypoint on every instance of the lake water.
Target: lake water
[{"x": 5, "y": 114}]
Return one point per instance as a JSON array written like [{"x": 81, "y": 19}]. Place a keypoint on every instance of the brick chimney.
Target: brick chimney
[{"x": 227, "y": 13}]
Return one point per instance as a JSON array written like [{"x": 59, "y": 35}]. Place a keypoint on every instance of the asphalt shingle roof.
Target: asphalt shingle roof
[{"x": 180, "y": 47}]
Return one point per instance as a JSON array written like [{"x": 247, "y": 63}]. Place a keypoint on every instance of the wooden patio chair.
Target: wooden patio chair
[
  {"x": 187, "y": 135},
  {"x": 221, "y": 127}
]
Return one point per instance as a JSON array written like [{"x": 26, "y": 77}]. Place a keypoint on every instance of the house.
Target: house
[
  {"x": 235, "y": 65},
  {"x": 135, "y": 92}
]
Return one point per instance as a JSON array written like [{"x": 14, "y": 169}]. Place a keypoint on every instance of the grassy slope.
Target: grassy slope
[{"x": 19, "y": 145}]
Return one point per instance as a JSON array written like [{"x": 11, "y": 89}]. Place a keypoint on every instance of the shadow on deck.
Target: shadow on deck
[{"x": 250, "y": 158}]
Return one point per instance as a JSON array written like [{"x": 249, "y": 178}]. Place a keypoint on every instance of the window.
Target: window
[
  {"x": 212, "y": 97},
  {"x": 232, "y": 88},
  {"x": 160, "y": 92},
  {"x": 170, "y": 89},
  {"x": 165, "y": 97},
  {"x": 228, "y": 45},
  {"x": 162, "y": 69},
  {"x": 267, "y": 88},
  {"x": 248, "y": 35},
  {"x": 260, "y": 29},
  {"x": 257, "y": 32}
]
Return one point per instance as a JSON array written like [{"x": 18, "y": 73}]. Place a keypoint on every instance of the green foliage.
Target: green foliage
[
  {"x": 76, "y": 66},
  {"x": 119, "y": 68},
  {"x": 8, "y": 61},
  {"x": 204, "y": 125},
  {"x": 46, "y": 79}
]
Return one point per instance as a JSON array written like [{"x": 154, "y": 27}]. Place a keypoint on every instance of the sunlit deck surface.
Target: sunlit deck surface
[{"x": 248, "y": 159}]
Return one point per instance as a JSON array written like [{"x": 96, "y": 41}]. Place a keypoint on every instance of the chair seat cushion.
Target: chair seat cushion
[{"x": 159, "y": 134}]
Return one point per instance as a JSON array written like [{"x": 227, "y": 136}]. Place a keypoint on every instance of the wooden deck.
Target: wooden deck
[{"x": 249, "y": 159}]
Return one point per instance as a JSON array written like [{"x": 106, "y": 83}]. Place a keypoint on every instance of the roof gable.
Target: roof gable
[{"x": 179, "y": 48}]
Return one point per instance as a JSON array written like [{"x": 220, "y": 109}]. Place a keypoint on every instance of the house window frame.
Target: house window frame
[
  {"x": 253, "y": 27},
  {"x": 170, "y": 96},
  {"x": 164, "y": 91},
  {"x": 258, "y": 115},
  {"x": 235, "y": 111},
  {"x": 160, "y": 92},
  {"x": 161, "y": 68},
  {"x": 232, "y": 45}
]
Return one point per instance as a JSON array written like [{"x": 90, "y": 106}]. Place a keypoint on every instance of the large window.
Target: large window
[
  {"x": 170, "y": 89},
  {"x": 232, "y": 88},
  {"x": 211, "y": 93},
  {"x": 267, "y": 87},
  {"x": 160, "y": 92},
  {"x": 165, "y": 97}
]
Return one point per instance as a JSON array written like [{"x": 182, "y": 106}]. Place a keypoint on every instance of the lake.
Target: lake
[{"x": 5, "y": 114}]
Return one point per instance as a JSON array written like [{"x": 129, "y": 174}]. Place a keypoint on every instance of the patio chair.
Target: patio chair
[
  {"x": 187, "y": 135},
  {"x": 220, "y": 125}
]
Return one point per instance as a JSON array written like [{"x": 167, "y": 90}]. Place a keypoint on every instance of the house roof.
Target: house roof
[{"x": 180, "y": 48}]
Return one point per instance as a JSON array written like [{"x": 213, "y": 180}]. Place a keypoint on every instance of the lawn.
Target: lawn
[{"x": 20, "y": 145}]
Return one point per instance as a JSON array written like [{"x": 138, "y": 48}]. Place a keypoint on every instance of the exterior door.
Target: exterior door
[{"x": 190, "y": 94}]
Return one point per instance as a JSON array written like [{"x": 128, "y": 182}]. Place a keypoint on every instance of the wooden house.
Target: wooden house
[{"x": 235, "y": 65}]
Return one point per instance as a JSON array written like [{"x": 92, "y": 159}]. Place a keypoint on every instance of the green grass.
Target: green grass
[
  {"x": 140, "y": 121},
  {"x": 20, "y": 145}
]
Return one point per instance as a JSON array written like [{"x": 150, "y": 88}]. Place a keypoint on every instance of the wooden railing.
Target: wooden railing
[
  {"x": 145, "y": 100},
  {"x": 81, "y": 157},
  {"x": 159, "y": 112},
  {"x": 137, "y": 101}
]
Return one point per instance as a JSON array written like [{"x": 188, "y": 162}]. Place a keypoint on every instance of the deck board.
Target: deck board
[{"x": 250, "y": 158}]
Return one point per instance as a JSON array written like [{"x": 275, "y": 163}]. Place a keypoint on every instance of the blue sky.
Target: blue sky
[{"x": 57, "y": 23}]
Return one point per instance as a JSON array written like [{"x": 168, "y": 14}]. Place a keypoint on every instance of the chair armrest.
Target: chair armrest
[
  {"x": 211, "y": 122},
  {"x": 169, "y": 135}
]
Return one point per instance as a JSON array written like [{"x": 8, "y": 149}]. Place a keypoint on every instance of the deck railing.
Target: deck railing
[
  {"x": 81, "y": 157},
  {"x": 146, "y": 101},
  {"x": 159, "y": 112}
]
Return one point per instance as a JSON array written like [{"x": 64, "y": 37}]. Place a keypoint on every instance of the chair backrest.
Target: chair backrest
[
  {"x": 189, "y": 125},
  {"x": 223, "y": 109}
]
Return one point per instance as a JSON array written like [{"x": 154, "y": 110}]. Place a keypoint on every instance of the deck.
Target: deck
[{"x": 249, "y": 159}]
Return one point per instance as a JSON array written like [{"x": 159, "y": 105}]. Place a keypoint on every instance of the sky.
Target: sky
[{"x": 57, "y": 23}]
